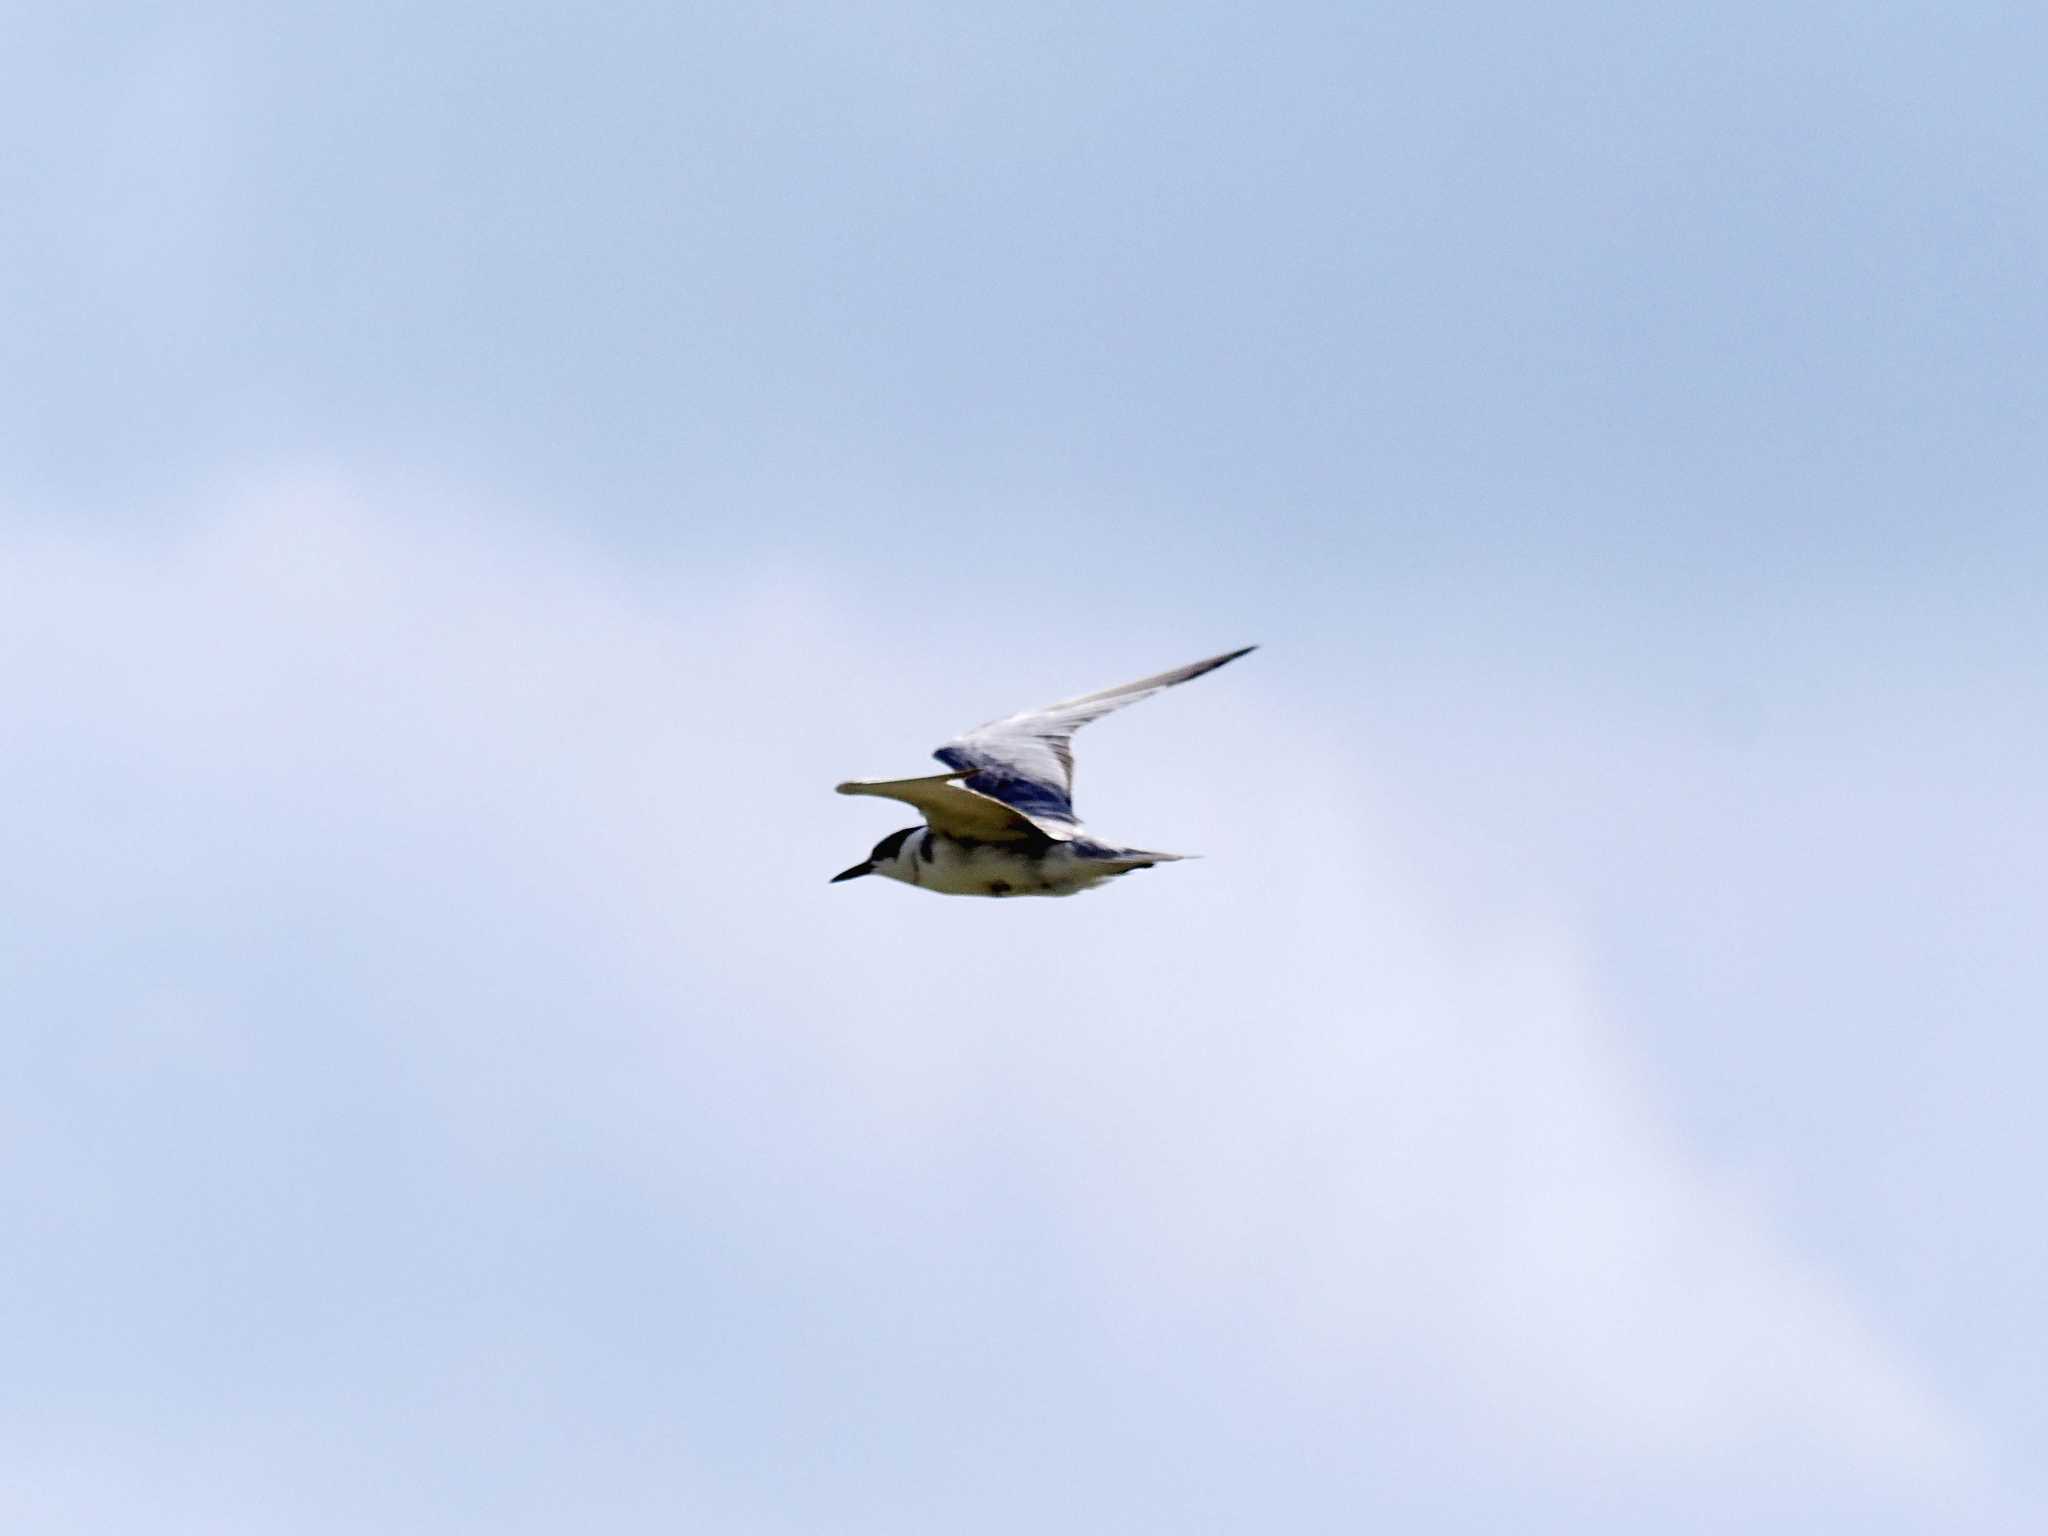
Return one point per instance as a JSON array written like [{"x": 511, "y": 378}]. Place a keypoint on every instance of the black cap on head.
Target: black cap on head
[{"x": 890, "y": 846}]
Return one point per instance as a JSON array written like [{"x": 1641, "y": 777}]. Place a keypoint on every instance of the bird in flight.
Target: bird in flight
[{"x": 1000, "y": 821}]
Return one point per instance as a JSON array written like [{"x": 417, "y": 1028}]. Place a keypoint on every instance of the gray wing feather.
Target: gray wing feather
[
  {"x": 952, "y": 808},
  {"x": 1026, "y": 760}
]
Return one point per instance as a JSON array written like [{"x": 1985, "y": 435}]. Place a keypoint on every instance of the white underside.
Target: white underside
[{"x": 997, "y": 869}]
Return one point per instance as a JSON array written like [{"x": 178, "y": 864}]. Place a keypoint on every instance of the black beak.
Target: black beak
[{"x": 864, "y": 867}]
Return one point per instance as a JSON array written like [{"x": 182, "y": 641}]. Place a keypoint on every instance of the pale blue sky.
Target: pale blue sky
[{"x": 474, "y": 477}]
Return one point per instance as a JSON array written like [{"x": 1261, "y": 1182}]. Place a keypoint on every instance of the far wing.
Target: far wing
[
  {"x": 1026, "y": 760},
  {"x": 952, "y": 809}
]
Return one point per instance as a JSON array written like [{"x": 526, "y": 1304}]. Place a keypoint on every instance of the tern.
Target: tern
[{"x": 1001, "y": 821}]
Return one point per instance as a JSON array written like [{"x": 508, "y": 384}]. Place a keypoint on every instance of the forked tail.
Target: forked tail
[{"x": 1124, "y": 860}]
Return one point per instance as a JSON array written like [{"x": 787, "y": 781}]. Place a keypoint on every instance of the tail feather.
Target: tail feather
[{"x": 1126, "y": 859}]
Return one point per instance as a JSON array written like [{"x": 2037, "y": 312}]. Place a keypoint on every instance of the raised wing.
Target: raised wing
[
  {"x": 1026, "y": 760},
  {"x": 952, "y": 809}
]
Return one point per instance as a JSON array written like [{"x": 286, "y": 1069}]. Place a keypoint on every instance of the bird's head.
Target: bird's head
[{"x": 883, "y": 861}]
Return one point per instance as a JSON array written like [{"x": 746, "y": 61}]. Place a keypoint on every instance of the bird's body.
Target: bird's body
[
  {"x": 960, "y": 866},
  {"x": 1001, "y": 822}
]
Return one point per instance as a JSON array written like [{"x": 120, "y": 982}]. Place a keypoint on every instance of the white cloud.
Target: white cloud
[{"x": 1384, "y": 1135}]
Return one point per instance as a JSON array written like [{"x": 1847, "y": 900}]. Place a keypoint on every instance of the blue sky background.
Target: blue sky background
[{"x": 472, "y": 478}]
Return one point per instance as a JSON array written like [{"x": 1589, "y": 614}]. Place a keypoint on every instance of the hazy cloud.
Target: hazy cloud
[{"x": 403, "y": 895}]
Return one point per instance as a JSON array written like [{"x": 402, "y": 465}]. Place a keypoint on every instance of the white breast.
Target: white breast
[{"x": 935, "y": 862}]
